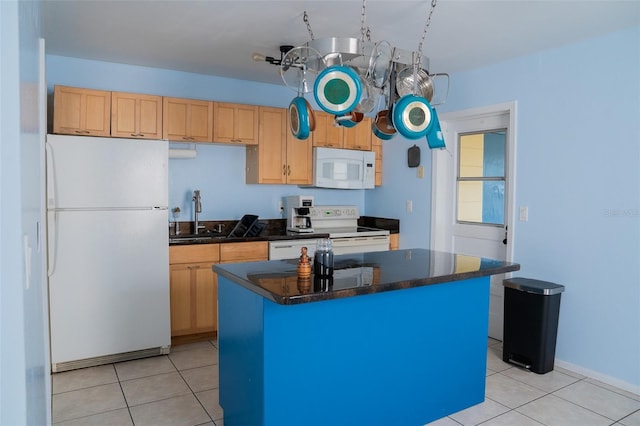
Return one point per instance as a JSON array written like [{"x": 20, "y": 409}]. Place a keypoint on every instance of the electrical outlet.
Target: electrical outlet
[
  {"x": 524, "y": 214},
  {"x": 420, "y": 172},
  {"x": 409, "y": 206},
  {"x": 280, "y": 206}
]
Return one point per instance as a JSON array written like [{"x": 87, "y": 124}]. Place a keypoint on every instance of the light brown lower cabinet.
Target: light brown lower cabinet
[
  {"x": 394, "y": 241},
  {"x": 194, "y": 294},
  {"x": 193, "y": 289},
  {"x": 194, "y": 285}
]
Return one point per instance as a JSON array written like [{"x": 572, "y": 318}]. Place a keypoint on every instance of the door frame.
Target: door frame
[{"x": 443, "y": 169}]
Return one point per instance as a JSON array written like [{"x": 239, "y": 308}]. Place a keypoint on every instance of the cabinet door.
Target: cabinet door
[
  {"x": 187, "y": 120},
  {"x": 136, "y": 116},
  {"x": 194, "y": 298},
  {"x": 266, "y": 162},
  {"x": 394, "y": 241},
  {"x": 359, "y": 136},
  {"x": 376, "y": 146},
  {"x": 205, "y": 298},
  {"x": 299, "y": 160},
  {"x": 180, "y": 299},
  {"x": 79, "y": 111},
  {"x": 326, "y": 133},
  {"x": 235, "y": 123}
]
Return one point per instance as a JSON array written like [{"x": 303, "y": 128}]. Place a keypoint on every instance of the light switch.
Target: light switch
[
  {"x": 409, "y": 206},
  {"x": 420, "y": 172},
  {"x": 524, "y": 214}
]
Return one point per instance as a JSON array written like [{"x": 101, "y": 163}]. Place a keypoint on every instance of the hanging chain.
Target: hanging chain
[
  {"x": 363, "y": 29},
  {"x": 424, "y": 33},
  {"x": 305, "y": 18}
]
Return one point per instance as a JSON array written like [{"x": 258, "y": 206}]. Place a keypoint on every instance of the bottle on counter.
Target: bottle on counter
[
  {"x": 304, "y": 265},
  {"x": 323, "y": 259}
]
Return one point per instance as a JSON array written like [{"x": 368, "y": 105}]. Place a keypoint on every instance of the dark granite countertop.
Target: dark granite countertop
[
  {"x": 274, "y": 230},
  {"x": 360, "y": 274}
]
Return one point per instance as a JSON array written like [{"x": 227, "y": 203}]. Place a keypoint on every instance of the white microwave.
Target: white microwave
[{"x": 343, "y": 168}]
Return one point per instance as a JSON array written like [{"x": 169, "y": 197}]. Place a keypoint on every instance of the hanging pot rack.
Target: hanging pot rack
[{"x": 382, "y": 71}]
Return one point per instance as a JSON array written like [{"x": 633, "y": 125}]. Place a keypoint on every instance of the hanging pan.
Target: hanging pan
[
  {"x": 435, "y": 139},
  {"x": 405, "y": 83},
  {"x": 337, "y": 89},
  {"x": 382, "y": 127},
  {"x": 301, "y": 119},
  {"x": 349, "y": 120},
  {"x": 412, "y": 116}
]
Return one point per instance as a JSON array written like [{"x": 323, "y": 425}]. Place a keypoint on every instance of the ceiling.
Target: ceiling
[{"x": 218, "y": 37}]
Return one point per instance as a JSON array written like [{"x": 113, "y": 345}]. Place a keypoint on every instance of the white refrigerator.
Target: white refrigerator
[{"x": 108, "y": 254}]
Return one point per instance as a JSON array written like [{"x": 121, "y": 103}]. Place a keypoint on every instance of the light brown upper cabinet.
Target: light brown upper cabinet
[
  {"x": 279, "y": 158},
  {"x": 326, "y": 133},
  {"x": 136, "y": 116},
  {"x": 79, "y": 111},
  {"x": 359, "y": 136},
  {"x": 235, "y": 123},
  {"x": 187, "y": 120}
]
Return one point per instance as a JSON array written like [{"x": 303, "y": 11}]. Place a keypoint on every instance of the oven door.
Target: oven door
[{"x": 346, "y": 245}]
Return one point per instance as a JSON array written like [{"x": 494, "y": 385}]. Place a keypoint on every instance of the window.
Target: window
[{"x": 481, "y": 178}]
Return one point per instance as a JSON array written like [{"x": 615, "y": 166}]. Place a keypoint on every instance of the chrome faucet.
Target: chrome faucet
[{"x": 197, "y": 208}]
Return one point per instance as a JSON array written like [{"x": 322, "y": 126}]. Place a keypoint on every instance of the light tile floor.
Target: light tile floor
[
  {"x": 179, "y": 389},
  {"x": 182, "y": 389}
]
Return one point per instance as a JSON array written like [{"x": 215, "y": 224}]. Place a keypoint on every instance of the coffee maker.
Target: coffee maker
[{"x": 297, "y": 209}]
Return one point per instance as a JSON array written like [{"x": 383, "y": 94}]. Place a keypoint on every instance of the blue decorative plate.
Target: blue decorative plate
[
  {"x": 299, "y": 118},
  {"x": 337, "y": 89},
  {"x": 412, "y": 116}
]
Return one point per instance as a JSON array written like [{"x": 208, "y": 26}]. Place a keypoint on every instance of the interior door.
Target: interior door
[{"x": 473, "y": 192}]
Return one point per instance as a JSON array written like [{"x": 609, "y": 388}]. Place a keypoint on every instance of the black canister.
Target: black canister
[{"x": 323, "y": 259}]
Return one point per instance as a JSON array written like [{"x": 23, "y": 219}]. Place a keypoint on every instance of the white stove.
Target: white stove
[{"x": 341, "y": 223}]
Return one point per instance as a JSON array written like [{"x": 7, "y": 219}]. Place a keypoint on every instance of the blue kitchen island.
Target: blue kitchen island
[{"x": 395, "y": 338}]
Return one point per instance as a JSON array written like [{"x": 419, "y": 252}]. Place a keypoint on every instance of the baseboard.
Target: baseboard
[
  {"x": 108, "y": 359},
  {"x": 611, "y": 381}
]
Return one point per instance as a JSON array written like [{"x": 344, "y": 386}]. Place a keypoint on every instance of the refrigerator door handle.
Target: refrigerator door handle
[
  {"x": 51, "y": 213},
  {"x": 51, "y": 184},
  {"x": 52, "y": 227}
]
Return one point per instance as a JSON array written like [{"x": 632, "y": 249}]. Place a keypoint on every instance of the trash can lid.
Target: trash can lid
[{"x": 533, "y": 286}]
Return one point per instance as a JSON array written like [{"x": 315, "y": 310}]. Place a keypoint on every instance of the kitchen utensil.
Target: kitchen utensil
[
  {"x": 300, "y": 67},
  {"x": 368, "y": 97},
  {"x": 413, "y": 156},
  {"x": 380, "y": 64},
  {"x": 337, "y": 89},
  {"x": 312, "y": 116},
  {"x": 412, "y": 116},
  {"x": 241, "y": 228},
  {"x": 406, "y": 79},
  {"x": 382, "y": 127},
  {"x": 299, "y": 121},
  {"x": 435, "y": 139},
  {"x": 349, "y": 120}
]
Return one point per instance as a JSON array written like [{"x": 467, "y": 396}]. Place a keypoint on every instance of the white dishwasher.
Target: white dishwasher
[{"x": 290, "y": 249}]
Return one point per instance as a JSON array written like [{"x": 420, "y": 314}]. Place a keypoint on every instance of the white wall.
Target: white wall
[
  {"x": 578, "y": 171},
  {"x": 24, "y": 371},
  {"x": 219, "y": 170}
]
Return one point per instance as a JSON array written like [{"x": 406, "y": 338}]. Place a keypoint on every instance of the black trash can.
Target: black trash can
[{"x": 531, "y": 310}]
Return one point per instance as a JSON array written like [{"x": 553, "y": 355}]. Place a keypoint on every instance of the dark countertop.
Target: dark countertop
[
  {"x": 360, "y": 274},
  {"x": 275, "y": 229}
]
